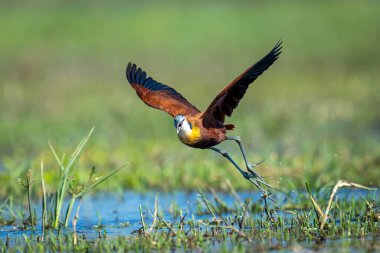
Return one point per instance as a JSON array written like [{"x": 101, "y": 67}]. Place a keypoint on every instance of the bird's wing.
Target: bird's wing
[
  {"x": 227, "y": 100},
  {"x": 158, "y": 95}
]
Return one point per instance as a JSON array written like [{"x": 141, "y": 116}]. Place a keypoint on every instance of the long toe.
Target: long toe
[
  {"x": 251, "y": 170},
  {"x": 263, "y": 182},
  {"x": 256, "y": 164},
  {"x": 256, "y": 181},
  {"x": 253, "y": 181},
  {"x": 253, "y": 175}
]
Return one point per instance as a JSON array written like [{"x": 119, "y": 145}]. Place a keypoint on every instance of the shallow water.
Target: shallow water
[
  {"x": 114, "y": 211},
  {"x": 119, "y": 215}
]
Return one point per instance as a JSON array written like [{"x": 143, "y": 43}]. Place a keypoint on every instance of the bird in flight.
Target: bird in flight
[{"x": 206, "y": 129}]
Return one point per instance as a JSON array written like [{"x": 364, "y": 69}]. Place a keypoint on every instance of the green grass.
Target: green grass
[{"x": 312, "y": 116}]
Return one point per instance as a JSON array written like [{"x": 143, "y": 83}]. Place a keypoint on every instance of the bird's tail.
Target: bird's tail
[{"x": 229, "y": 127}]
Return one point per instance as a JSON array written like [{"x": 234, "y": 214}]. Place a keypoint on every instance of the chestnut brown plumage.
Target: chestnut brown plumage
[{"x": 207, "y": 129}]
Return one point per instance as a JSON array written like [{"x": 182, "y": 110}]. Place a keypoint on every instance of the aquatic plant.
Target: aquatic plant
[{"x": 51, "y": 212}]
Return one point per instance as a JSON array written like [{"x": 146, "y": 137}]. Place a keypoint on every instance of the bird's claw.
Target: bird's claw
[
  {"x": 256, "y": 179},
  {"x": 247, "y": 175},
  {"x": 253, "y": 172}
]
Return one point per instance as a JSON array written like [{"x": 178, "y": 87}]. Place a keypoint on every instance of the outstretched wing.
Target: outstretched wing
[
  {"x": 227, "y": 100},
  {"x": 158, "y": 95}
]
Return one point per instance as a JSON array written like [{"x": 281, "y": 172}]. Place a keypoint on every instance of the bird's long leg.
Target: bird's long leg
[
  {"x": 248, "y": 165},
  {"x": 246, "y": 175}
]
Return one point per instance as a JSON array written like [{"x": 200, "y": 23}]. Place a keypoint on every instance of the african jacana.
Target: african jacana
[{"x": 204, "y": 129}]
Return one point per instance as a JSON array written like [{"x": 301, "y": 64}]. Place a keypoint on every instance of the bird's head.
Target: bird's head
[{"x": 182, "y": 125}]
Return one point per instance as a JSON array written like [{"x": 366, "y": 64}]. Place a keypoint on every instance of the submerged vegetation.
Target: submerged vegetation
[{"x": 245, "y": 225}]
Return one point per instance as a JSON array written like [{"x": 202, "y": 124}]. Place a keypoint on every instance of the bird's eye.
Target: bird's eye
[{"x": 180, "y": 124}]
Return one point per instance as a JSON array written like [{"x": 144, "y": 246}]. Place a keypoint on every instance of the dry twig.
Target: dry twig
[{"x": 154, "y": 215}]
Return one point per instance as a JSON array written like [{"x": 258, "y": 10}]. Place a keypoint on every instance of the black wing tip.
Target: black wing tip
[
  {"x": 259, "y": 67},
  {"x": 279, "y": 43},
  {"x": 273, "y": 55},
  {"x": 277, "y": 50},
  {"x": 134, "y": 74}
]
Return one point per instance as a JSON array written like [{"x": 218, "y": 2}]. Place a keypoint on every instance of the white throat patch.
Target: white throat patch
[{"x": 185, "y": 129}]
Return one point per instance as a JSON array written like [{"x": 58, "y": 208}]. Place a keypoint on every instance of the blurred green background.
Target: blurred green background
[{"x": 313, "y": 116}]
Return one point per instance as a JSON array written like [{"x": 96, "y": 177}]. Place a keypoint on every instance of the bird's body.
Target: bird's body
[
  {"x": 202, "y": 129},
  {"x": 198, "y": 136}
]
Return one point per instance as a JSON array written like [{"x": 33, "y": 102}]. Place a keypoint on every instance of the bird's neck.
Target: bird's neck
[{"x": 189, "y": 136}]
